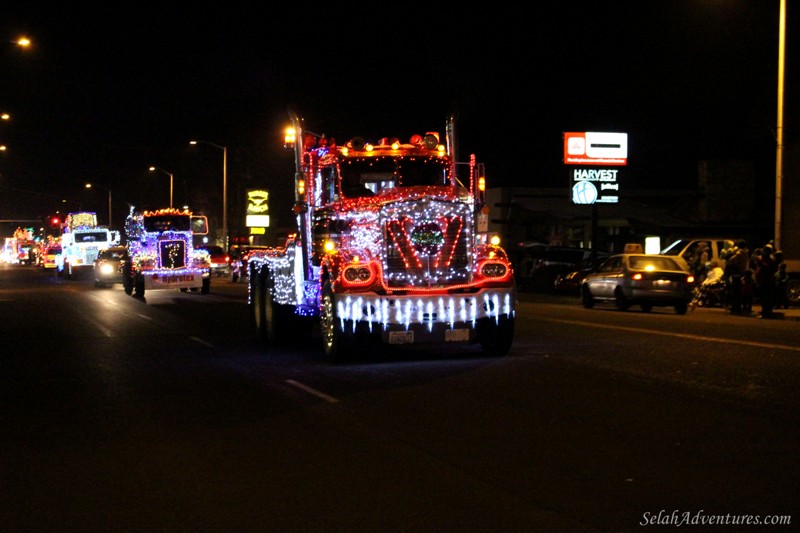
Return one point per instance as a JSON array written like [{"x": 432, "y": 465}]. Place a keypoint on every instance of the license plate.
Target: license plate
[
  {"x": 456, "y": 335},
  {"x": 401, "y": 337}
]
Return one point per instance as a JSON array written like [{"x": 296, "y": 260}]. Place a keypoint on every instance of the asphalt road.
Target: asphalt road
[{"x": 164, "y": 414}]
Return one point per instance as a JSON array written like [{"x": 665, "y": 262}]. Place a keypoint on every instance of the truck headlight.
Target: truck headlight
[
  {"x": 494, "y": 270},
  {"x": 357, "y": 274}
]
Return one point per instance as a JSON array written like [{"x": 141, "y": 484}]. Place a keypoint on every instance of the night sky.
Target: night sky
[{"x": 107, "y": 92}]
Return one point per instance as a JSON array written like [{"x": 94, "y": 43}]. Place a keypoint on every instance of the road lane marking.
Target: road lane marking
[
  {"x": 201, "y": 341},
  {"x": 318, "y": 394},
  {"x": 682, "y": 335}
]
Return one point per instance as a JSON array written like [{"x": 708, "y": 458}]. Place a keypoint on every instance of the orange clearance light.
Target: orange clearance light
[
  {"x": 395, "y": 144},
  {"x": 369, "y": 147},
  {"x": 301, "y": 187},
  {"x": 690, "y": 279},
  {"x": 482, "y": 183},
  {"x": 637, "y": 276},
  {"x": 495, "y": 240}
]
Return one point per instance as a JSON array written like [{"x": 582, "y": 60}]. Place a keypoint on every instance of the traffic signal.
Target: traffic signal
[{"x": 55, "y": 221}]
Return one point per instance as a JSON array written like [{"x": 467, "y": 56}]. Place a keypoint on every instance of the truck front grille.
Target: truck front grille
[
  {"x": 172, "y": 254},
  {"x": 427, "y": 245}
]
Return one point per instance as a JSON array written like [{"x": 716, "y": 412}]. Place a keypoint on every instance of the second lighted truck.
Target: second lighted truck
[
  {"x": 82, "y": 239},
  {"x": 388, "y": 248},
  {"x": 161, "y": 253}
]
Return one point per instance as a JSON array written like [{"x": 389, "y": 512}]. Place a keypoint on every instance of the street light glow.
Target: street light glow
[
  {"x": 224, "y": 188},
  {"x": 90, "y": 185},
  {"x": 153, "y": 169}
]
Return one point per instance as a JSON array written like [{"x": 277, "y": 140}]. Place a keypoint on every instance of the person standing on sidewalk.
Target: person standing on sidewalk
[
  {"x": 735, "y": 266},
  {"x": 781, "y": 283},
  {"x": 766, "y": 268}
]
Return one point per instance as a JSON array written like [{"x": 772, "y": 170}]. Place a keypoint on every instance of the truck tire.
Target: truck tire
[
  {"x": 206, "y": 288},
  {"x": 496, "y": 336},
  {"x": 335, "y": 342},
  {"x": 267, "y": 315},
  {"x": 127, "y": 282},
  {"x": 138, "y": 285}
]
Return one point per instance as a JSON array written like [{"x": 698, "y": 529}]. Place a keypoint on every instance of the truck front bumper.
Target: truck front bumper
[
  {"x": 441, "y": 312},
  {"x": 190, "y": 279}
]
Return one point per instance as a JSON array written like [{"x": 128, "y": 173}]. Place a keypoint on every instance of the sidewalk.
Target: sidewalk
[{"x": 792, "y": 313}]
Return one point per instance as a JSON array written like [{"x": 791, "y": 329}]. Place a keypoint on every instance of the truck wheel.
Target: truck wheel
[
  {"x": 206, "y": 288},
  {"x": 496, "y": 336},
  {"x": 127, "y": 283},
  {"x": 138, "y": 285},
  {"x": 266, "y": 313},
  {"x": 335, "y": 342},
  {"x": 793, "y": 291}
]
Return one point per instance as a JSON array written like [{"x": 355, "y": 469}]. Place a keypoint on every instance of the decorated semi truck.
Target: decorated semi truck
[
  {"x": 161, "y": 253},
  {"x": 390, "y": 247},
  {"x": 82, "y": 239}
]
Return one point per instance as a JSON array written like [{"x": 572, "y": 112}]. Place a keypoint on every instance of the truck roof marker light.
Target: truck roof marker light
[
  {"x": 368, "y": 147},
  {"x": 395, "y": 144},
  {"x": 345, "y": 150},
  {"x": 441, "y": 149},
  {"x": 357, "y": 143},
  {"x": 430, "y": 141}
]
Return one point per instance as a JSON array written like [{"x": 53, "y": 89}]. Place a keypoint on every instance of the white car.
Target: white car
[{"x": 647, "y": 280}]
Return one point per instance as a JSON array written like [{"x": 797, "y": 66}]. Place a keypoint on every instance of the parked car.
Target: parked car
[
  {"x": 220, "y": 261},
  {"x": 570, "y": 282},
  {"x": 646, "y": 280},
  {"x": 109, "y": 265},
  {"x": 49, "y": 255},
  {"x": 539, "y": 264}
]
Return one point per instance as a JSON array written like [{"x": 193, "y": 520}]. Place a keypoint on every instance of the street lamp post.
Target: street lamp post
[
  {"x": 779, "y": 126},
  {"x": 224, "y": 189},
  {"x": 152, "y": 169},
  {"x": 90, "y": 185}
]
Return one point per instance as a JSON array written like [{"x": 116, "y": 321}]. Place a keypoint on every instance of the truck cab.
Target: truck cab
[{"x": 388, "y": 247}]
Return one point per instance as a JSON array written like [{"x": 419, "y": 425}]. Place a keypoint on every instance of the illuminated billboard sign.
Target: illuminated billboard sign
[
  {"x": 257, "y": 215},
  {"x": 595, "y": 148},
  {"x": 594, "y": 185}
]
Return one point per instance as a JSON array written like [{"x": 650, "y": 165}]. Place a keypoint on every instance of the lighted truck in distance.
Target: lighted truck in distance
[
  {"x": 387, "y": 249},
  {"x": 161, "y": 252},
  {"x": 81, "y": 242}
]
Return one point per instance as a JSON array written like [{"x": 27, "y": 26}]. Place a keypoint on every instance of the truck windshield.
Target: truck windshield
[
  {"x": 93, "y": 236},
  {"x": 168, "y": 223},
  {"x": 378, "y": 173}
]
